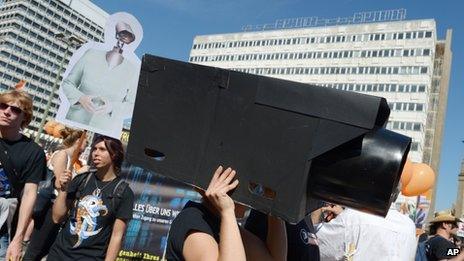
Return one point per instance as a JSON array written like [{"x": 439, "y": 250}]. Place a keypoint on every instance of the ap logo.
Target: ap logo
[{"x": 452, "y": 252}]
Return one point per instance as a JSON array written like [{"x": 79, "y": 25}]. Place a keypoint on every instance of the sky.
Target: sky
[{"x": 170, "y": 26}]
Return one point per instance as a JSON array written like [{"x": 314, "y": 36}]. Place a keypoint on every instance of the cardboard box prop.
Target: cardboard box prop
[{"x": 288, "y": 141}]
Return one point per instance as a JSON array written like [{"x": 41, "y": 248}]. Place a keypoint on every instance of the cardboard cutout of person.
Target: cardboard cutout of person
[{"x": 100, "y": 84}]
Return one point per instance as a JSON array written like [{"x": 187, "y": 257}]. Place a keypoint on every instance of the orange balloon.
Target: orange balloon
[
  {"x": 406, "y": 175},
  {"x": 57, "y": 130},
  {"x": 422, "y": 180},
  {"x": 49, "y": 126}
]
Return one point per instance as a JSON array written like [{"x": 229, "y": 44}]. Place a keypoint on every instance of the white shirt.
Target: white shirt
[{"x": 370, "y": 237}]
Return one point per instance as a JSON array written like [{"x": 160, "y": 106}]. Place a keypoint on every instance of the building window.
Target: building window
[
  {"x": 419, "y": 107},
  {"x": 414, "y": 146}
]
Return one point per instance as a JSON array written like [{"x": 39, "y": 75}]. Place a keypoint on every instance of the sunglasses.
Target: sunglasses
[{"x": 14, "y": 109}]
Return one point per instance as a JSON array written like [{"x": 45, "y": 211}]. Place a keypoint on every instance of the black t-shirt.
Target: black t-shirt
[
  {"x": 193, "y": 217},
  {"x": 28, "y": 159},
  {"x": 438, "y": 248},
  {"x": 87, "y": 231},
  {"x": 301, "y": 238}
]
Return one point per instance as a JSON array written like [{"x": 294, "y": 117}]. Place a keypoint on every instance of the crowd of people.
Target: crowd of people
[{"x": 87, "y": 216}]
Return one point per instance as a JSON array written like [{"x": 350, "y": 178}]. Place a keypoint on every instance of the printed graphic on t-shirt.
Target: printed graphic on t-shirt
[
  {"x": 5, "y": 189},
  {"x": 308, "y": 238},
  {"x": 85, "y": 223}
]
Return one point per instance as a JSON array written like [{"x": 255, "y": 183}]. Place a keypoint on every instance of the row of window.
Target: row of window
[
  {"x": 377, "y": 87},
  {"x": 62, "y": 8},
  {"x": 24, "y": 48},
  {"x": 39, "y": 43},
  {"x": 70, "y": 27},
  {"x": 31, "y": 65},
  {"x": 48, "y": 23},
  {"x": 25, "y": 73},
  {"x": 317, "y": 39},
  {"x": 399, "y": 70},
  {"x": 38, "y": 38},
  {"x": 405, "y": 125},
  {"x": 406, "y": 106},
  {"x": 34, "y": 88},
  {"x": 314, "y": 55},
  {"x": 56, "y": 7}
]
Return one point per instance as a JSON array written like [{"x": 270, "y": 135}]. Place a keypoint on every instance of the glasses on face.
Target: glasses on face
[{"x": 14, "y": 109}]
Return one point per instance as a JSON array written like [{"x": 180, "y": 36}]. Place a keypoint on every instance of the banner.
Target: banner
[
  {"x": 416, "y": 208},
  {"x": 100, "y": 83},
  {"x": 157, "y": 202}
]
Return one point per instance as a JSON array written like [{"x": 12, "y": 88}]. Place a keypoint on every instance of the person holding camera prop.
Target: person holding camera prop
[
  {"x": 209, "y": 230},
  {"x": 348, "y": 234}
]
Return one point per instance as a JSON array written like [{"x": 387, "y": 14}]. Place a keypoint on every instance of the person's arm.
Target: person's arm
[
  {"x": 61, "y": 206},
  {"x": 59, "y": 162},
  {"x": 276, "y": 240},
  {"x": 331, "y": 236},
  {"x": 71, "y": 83},
  {"x": 25, "y": 213},
  {"x": 264, "y": 237},
  {"x": 73, "y": 80},
  {"x": 201, "y": 246},
  {"x": 119, "y": 228},
  {"x": 129, "y": 100},
  {"x": 331, "y": 211}
]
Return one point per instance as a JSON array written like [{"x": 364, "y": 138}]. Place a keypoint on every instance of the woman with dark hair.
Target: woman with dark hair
[
  {"x": 99, "y": 203},
  {"x": 45, "y": 230}
]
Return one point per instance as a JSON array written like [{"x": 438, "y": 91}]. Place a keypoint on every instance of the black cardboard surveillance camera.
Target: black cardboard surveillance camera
[{"x": 289, "y": 142}]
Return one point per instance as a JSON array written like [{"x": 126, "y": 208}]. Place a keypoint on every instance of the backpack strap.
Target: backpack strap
[
  {"x": 117, "y": 193},
  {"x": 10, "y": 171}
]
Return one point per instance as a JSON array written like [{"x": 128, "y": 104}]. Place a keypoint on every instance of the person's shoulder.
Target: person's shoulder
[
  {"x": 193, "y": 216},
  {"x": 439, "y": 240},
  {"x": 30, "y": 142},
  {"x": 191, "y": 210},
  {"x": 80, "y": 179},
  {"x": 30, "y": 145}
]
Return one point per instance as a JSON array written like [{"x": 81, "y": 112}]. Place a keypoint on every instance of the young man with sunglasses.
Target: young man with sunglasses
[{"x": 22, "y": 166}]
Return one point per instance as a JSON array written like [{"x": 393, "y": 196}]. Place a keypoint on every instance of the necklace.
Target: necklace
[{"x": 97, "y": 191}]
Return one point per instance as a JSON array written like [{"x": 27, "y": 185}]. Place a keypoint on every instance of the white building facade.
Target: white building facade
[
  {"x": 30, "y": 49},
  {"x": 391, "y": 59}
]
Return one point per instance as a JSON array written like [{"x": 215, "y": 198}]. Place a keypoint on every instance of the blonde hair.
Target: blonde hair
[{"x": 25, "y": 102}]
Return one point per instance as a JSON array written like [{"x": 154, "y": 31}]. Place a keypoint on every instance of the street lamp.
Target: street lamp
[{"x": 69, "y": 41}]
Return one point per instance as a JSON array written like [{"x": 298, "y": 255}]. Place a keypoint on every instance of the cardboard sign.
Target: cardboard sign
[
  {"x": 288, "y": 141},
  {"x": 100, "y": 83}
]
